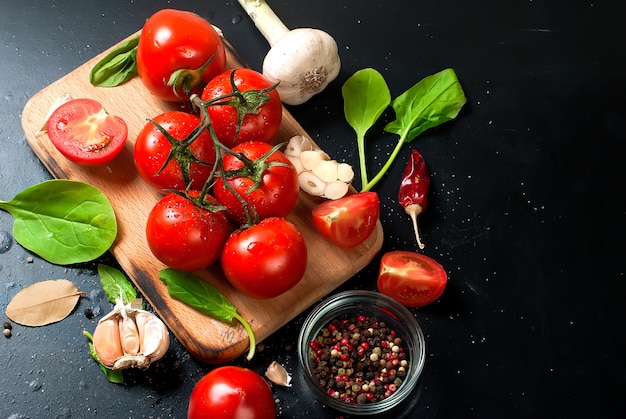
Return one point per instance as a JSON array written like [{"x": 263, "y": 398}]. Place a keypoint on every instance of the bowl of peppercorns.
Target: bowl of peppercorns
[{"x": 361, "y": 352}]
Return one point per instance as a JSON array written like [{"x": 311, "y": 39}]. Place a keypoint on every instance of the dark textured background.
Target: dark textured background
[{"x": 526, "y": 211}]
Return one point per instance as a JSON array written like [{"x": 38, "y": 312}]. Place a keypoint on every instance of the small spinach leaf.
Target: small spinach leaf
[
  {"x": 63, "y": 221},
  {"x": 118, "y": 66},
  {"x": 365, "y": 96},
  {"x": 204, "y": 297},
  {"x": 115, "y": 284}
]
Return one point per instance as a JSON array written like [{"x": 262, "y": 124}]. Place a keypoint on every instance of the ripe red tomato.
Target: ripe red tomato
[
  {"x": 185, "y": 236},
  {"x": 347, "y": 221},
  {"x": 263, "y": 110},
  {"x": 84, "y": 133},
  {"x": 411, "y": 278},
  {"x": 152, "y": 149},
  {"x": 278, "y": 188},
  {"x": 231, "y": 392},
  {"x": 265, "y": 260},
  {"x": 179, "y": 45}
]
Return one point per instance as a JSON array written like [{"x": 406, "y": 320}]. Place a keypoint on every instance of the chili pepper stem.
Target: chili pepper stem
[{"x": 414, "y": 210}]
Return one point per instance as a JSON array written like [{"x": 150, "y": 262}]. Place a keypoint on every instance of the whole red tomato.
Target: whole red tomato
[
  {"x": 84, "y": 133},
  {"x": 186, "y": 236},
  {"x": 231, "y": 392},
  {"x": 265, "y": 260},
  {"x": 347, "y": 221},
  {"x": 153, "y": 149},
  {"x": 268, "y": 182},
  {"x": 178, "y": 53},
  {"x": 260, "y": 108},
  {"x": 411, "y": 278}
]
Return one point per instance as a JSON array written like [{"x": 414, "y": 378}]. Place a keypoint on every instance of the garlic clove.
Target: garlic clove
[
  {"x": 297, "y": 164},
  {"x": 106, "y": 341},
  {"x": 326, "y": 170},
  {"x": 155, "y": 338},
  {"x": 311, "y": 158},
  {"x": 345, "y": 173},
  {"x": 336, "y": 190},
  {"x": 297, "y": 144},
  {"x": 311, "y": 184},
  {"x": 277, "y": 374}
]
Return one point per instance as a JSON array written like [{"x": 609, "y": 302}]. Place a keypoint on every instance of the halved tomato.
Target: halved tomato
[
  {"x": 411, "y": 278},
  {"x": 85, "y": 133},
  {"x": 347, "y": 221}
]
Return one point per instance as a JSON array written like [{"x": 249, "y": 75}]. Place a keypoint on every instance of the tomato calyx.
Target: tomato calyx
[
  {"x": 181, "y": 152},
  {"x": 245, "y": 102},
  {"x": 187, "y": 79},
  {"x": 199, "y": 198}
]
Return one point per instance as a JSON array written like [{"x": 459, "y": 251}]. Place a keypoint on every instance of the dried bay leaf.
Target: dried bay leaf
[{"x": 43, "y": 302}]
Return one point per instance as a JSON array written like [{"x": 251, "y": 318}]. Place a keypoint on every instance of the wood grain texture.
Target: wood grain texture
[{"x": 209, "y": 340}]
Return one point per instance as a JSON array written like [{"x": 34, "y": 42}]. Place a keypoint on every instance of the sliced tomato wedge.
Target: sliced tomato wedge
[
  {"x": 347, "y": 221},
  {"x": 85, "y": 133},
  {"x": 411, "y": 278}
]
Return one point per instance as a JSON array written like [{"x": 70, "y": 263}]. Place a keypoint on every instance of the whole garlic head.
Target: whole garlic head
[
  {"x": 303, "y": 61},
  {"x": 129, "y": 337}
]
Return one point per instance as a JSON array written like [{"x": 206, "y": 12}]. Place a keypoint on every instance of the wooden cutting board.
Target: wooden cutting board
[{"x": 210, "y": 340}]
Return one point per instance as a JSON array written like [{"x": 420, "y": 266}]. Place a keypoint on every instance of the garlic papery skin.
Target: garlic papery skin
[
  {"x": 303, "y": 62},
  {"x": 128, "y": 337}
]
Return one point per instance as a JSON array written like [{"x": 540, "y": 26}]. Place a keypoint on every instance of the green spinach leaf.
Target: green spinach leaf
[
  {"x": 118, "y": 66},
  {"x": 63, "y": 221},
  {"x": 192, "y": 290},
  {"x": 430, "y": 102},
  {"x": 365, "y": 97},
  {"x": 115, "y": 284}
]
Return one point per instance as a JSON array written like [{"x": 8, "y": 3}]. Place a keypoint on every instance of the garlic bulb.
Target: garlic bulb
[
  {"x": 318, "y": 175},
  {"x": 303, "y": 61},
  {"x": 129, "y": 337}
]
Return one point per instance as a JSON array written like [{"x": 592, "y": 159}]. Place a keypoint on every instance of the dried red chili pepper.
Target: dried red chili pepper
[{"x": 413, "y": 191}]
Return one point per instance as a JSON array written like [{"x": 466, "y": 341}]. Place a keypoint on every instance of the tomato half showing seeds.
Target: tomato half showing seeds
[
  {"x": 411, "y": 278},
  {"x": 85, "y": 133},
  {"x": 277, "y": 190},
  {"x": 265, "y": 260},
  {"x": 262, "y": 112},
  {"x": 231, "y": 392},
  {"x": 347, "y": 221},
  {"x": 185, "y": 236},
  {"x": 178, "y": 53},
  {"x": 152, "y": 149}
]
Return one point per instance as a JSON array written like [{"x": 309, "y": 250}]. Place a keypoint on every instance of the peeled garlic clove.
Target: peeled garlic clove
[
  {"x": 297, "y": 164},
  {"x": 106, "y": 341},
  {"x": 297, "y": 144},
  {"x": 311, "y": 184},
  {"x": 310, "y": 158},
  {"x": 277, "y": 374},
  {"x": 345, "y": 173},
  {"x": 335, "y": 190},
  {"x": 326, "y": 170}
]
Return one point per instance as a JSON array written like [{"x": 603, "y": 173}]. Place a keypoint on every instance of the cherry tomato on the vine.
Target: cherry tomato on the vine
[
  {"x": 180, "y": 48},
  {"x": 277, "y": 179},
  {"x": 265, "y": 260},
  {"x": 84, "y": 133},
  {"x": 185, "y": 236},
  {"x": 152, "y": 150},
  {"x": 261, "y": 111},
  {"x": 411, "y": 278},
  {"x": 231, "y": 392},
  {"x": 347, "y": 221}
]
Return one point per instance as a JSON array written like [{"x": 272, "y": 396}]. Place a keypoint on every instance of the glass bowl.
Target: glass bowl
[{"x": 354, "y": 309}]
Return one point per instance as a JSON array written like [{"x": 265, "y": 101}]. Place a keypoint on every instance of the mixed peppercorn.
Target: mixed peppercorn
[{"x": 358, "y": 360}]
